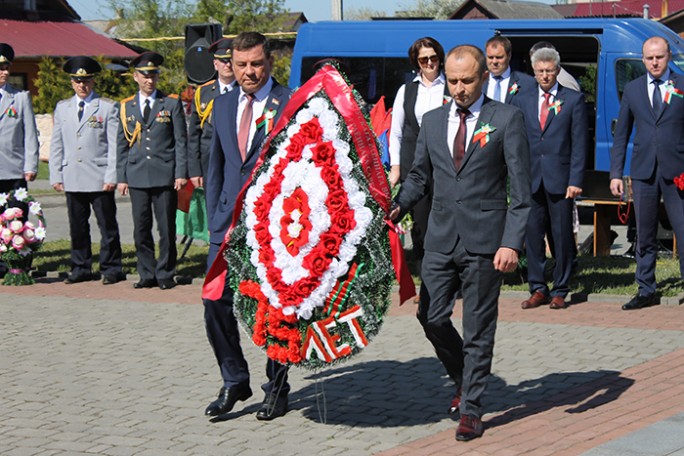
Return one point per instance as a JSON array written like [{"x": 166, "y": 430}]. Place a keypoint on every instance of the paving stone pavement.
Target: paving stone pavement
[{"x": 87, "y": 369}]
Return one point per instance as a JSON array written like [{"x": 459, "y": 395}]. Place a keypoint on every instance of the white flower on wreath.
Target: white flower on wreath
[
  {"x": 306, "y": 174},
  {"x": 40, "y": 233},
  {"x": 4, "y": 197}
]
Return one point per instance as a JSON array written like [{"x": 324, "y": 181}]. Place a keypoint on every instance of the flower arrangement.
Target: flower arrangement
[
  {"x": 19, "y": 237},
  {"x": 309, "y": 256}
]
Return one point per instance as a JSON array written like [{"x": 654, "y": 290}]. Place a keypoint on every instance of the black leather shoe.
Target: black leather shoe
[
  {"x": 166, "y": 284},
  {"x": 272, "y": 407},
  {"x": 111, "y": 279},
  {"x": 226, "y": 400},
  {"x": 78, "y": 278},
  {"x": 469, "y": 428},
  {"x": 637, "y": 302},
  {"x": 145, "y": 283}
]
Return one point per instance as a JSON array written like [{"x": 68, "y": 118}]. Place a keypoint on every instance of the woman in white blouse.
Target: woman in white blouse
[{"x": 425, "y": 92}]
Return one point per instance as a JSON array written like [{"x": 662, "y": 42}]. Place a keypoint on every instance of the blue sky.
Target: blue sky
[{"x": 315, "y": 10}]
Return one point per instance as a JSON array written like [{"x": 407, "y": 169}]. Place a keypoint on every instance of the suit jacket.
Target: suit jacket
[
  {"x": 658, "y": 138},
  {"x": 158, "y": 155},
  {"x": 18, "y": 135},
  {"x": 472, "y": 203},
  {"x": 558, "y": 152},
  {"x": 524, "y": 82},
  {"x": 83, "y": 153},
  {"x": 200, "y": 133},
  {"x": 227, "y": 174}
]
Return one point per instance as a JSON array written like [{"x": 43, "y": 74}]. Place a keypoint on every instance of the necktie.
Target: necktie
[
  {"x": 245, "y": 121},
  {"x": 460, "y": 138},
  {"x": 657, "y": 97},
  {"x": 146, "y": 111},
  {"x": 81, "y": 105},
  {"x": 225, "y": 90},
  {"x": 497, "y": 88},
  {"x": 544, "y": 111}
]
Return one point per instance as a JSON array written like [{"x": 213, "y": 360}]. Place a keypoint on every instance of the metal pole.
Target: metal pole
[{"x": 337, "y": 12}]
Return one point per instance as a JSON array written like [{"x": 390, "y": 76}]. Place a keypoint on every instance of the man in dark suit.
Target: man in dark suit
[
  {"x": 201, "y": 121},
  {"x": 556, "y": 126},
  {"x": 235, "y": 148},
  {"x": 654, "y": 104},
  {"x": 83, "y": 164},
  {"x": 468, "y": 149},
  {"x": 503, "y": 84},
  {"x": 152, "y": 167}
]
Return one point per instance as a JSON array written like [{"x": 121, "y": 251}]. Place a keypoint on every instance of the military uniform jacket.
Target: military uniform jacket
[
  {"x": 83, "y": 153},
  {"x": 201, "y": 127},
  {"x": 18, "y": 135},
  {"x": 151, "y": 154}
]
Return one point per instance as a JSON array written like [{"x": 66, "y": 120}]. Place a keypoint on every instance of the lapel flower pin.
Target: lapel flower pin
[
  {"x": 671, "y": 90},
  {"x": 446, "y": 99},
  {"x": 482, "y": 134},
  {"x": 514, "y": 88},
  {"x": 266, "y": 120},
  {"x": 556, "y": 107},
  {"x": 11, "y": 112}
]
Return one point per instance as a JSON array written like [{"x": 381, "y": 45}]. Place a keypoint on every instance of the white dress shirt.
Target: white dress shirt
[
  {"x": 505, "y": 80},
  {"x": 454, "y": 122},
  {"x": 258, "y": 105}
]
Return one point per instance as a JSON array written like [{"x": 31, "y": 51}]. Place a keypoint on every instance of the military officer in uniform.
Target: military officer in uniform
[
  {"x": 201, "y": 121},
  {"x": 152, "y": 167},
  {"x": 18, "y": 133},
  {"x": 83, "y": 164}
]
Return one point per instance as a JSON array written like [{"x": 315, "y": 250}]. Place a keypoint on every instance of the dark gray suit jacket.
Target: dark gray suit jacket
[{"x": 472, "y": 203}]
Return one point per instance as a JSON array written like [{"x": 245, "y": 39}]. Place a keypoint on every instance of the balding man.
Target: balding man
[
  {"x": 654, "y": 104},
  {"x": 469, "y": 148}
]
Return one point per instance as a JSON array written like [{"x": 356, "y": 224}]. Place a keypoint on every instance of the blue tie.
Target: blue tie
[
  {"x": 497, "y": 88},
  {"x": 657, "y": 97}
]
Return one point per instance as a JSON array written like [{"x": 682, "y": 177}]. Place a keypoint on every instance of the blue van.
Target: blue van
[{"x": 604, "y": 54}]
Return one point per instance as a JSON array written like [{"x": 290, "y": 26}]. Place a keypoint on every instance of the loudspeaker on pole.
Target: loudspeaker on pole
[{"x": 199, "y": 63}]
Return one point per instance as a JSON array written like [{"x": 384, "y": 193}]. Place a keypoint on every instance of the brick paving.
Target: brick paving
[{"x": 90, "y": 369}]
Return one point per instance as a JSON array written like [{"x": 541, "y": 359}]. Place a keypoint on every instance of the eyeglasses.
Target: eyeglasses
[{"x": 424, "y": 60}]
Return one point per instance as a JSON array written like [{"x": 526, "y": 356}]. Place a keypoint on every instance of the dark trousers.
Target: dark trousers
[
  {"x": 224, "y": 337},
  {"x": 467, "y": 359},
  {"x": 647, "y": 194},
  {"x": 554, "y": 211},
  {"x": 104, "y": 207},
  {"x": 162, "y": 202},
  {"x": 420, "y": 214}
]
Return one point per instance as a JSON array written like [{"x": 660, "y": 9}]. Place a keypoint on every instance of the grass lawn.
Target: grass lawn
[
  {"x": 54, "y": 256},
  {"x": 607, "y": 275}
]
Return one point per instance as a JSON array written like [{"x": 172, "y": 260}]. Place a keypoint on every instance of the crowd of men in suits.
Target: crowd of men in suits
[{"x": 504, "y": 160}]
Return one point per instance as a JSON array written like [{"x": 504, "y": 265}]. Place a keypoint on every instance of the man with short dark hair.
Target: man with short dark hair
[
  {"x": 654, "y": 105},
  {"x": 83, "y": 164},
  {"x": 469, "y": 148},
  {"x": 503, "y": 84},
  {"x": 152, "y": 167},
  {"x": 235, "y": 148}
]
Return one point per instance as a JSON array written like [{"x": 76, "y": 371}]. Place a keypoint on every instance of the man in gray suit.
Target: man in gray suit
[
  {"x": 468, "y": 149},
  {"x": 152, "y": 167},
  {"x": 18, "y": 134},
  {"x": 83, "y": 164}
]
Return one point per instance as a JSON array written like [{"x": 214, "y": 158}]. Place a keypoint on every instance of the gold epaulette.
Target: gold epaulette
[
  {"x": 203, "y": 114},
  {"x": 131, "y": 137}
]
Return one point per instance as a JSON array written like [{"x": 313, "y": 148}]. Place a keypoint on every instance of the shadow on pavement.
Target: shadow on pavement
[{"x": 580, "y": 391}]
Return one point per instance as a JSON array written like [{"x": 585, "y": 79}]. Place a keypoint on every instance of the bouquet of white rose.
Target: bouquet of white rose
[{"x": 19, "y": 236}]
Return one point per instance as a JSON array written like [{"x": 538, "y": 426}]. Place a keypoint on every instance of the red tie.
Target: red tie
[
  {"x": 460, "y": 138},
  {"x": 245, "y": 122},
  {"x": 544, "y": 113}
]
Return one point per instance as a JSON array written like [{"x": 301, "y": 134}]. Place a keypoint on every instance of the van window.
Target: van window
[
  {"x": 678, "y": 59},
  {"x": 372, "y": 77},
  {"x": 627, "y": 70}
]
